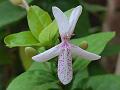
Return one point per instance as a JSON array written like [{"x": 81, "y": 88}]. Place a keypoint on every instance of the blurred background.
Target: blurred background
[{"x": 97, "y": 16}]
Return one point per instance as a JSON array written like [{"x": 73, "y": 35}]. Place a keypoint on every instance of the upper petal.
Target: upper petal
[
  {"x": 62, "y": 20},
  {"x": 84, "y": 54},
  {"x": 47, "y": 55},
  {"x": 74, "y": 18}
]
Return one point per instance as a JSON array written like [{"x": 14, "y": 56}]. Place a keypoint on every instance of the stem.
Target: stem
[{"x": 25, "y": 5}]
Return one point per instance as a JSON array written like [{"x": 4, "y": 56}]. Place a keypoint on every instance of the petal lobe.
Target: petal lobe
[
  {"x": 47, "y": 55},
  {"x": 65, "y": 66},
  {"x": 84, "y": 54}
]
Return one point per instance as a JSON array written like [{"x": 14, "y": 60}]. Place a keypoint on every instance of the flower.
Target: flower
[{"x": 64, "y": 50}]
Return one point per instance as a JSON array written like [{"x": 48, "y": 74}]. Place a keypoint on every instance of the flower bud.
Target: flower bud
[
  {"x": 16, "y": 2},
  {"x": 84, "y": 45},
  {"x": 29, "y": 51},
  {"x": 21, "y": 3}
]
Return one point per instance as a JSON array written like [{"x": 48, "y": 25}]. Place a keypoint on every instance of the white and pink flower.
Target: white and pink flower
[{"x": 64, "y": 50}]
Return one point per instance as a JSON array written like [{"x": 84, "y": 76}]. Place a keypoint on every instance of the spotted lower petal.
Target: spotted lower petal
[
  {"x": 84, "y": 54},
  {"x": 62, "y": 20},
  {"x": 48, "y": 54},
  {"x": 74, "y": 18},
  {"x": 65, "y": 66}
]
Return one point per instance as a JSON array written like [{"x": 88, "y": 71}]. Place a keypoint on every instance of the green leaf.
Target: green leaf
[
  {"x": 104, "y": 82},
  {"x": 49, "y": 34},
  {"x": 38, "y": 77},
  {"x": 21, "y": 39},
  {"x": 45, "y": 66},
  {"x": 10, "y": 13},
  {"x": 79, "y": 79},
  {"x": 96, "y": 44},
  {"x": 38, "y": 19},
  {"x": 34, "y": 80}
]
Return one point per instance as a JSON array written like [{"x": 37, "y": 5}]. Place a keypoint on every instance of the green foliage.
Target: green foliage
[
  {"x": 39, "y": 72},
  {"x": 79, "y": 79},
  {"x": 96, "y": 44},
  {"x": 38, "y": 19},
  {"x": 49, "y": 34},
  {"x": 100, "y": 40},
  {"x": 40, "y": 78},
  {"x": 21, "y": 39},
  {"x": 44, "y": 33},
  {"x": 104, "y": 82},
  {"x": 10, "y": 13}
]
